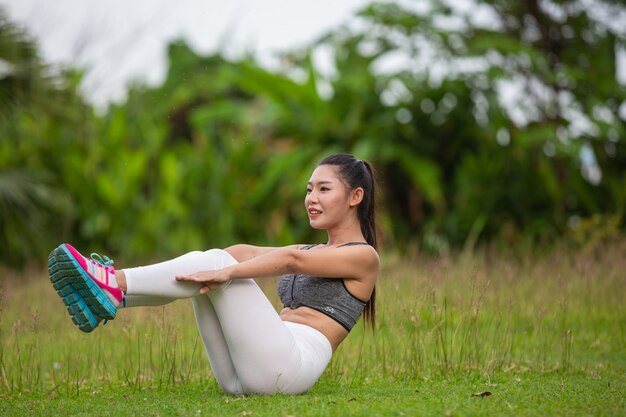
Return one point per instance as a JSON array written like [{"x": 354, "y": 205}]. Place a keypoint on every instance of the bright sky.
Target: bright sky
[{"x": 121, "y": 40}]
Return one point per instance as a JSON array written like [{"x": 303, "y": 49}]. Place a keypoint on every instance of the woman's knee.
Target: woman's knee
[{"x": 221, "y": 257}]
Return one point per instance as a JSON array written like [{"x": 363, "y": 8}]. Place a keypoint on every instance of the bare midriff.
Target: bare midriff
[{"x": 334, "y": 332}]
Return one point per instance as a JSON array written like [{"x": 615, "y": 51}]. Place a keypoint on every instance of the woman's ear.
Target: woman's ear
[{"x": 356, "y": 196}]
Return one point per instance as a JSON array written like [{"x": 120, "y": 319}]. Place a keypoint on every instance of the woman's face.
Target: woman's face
[{"x": 327, "y": 198}]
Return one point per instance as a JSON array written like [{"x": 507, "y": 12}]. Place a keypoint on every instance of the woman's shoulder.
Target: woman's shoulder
[
  {"x": 349, "y": 249},
  {"x": 351, "y": 261},
  {"x": 359, "y": 254},
  {"x": 308, "y": 246}
]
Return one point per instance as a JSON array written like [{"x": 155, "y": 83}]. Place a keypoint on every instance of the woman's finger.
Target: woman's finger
[
  {"x": 186, "y": 278},
  {"x": 208, "y": 287}
]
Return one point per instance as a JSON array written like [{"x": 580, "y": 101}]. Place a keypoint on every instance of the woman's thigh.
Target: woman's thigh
[{"x": 263, "y": 350}]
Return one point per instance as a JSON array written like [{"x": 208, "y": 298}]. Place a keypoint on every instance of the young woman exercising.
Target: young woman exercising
[{"x": 252, "y": 348}]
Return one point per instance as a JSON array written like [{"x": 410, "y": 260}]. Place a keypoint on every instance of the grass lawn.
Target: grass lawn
[
  {"x": 542, "y": 334},
  {"x": 529, "y": 393}
]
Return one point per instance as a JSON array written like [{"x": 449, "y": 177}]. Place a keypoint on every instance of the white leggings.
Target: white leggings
[{"x": 250, "y": 349}]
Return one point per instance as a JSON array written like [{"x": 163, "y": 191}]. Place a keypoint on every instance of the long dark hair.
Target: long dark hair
[{"x": 359, "y": 173}]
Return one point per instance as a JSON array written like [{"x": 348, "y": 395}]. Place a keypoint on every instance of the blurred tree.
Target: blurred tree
[
  {"x": 210, "y": 163},
  {"x": 26, "y": 194},
  {"x": 507, "y": 115},
  {"x": 37, "y": 116},
  {"x": 501, "y": 122}
]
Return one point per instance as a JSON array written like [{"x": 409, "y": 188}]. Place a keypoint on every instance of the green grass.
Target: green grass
[
  {"x": 539, "y": 394},
  {"x": 544, "y": 334}
]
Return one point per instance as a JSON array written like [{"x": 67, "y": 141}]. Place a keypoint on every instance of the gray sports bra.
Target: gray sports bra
[{"x": 326, "y": 295}]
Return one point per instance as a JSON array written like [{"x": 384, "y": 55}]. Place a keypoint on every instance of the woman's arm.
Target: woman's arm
[
  {"x": 356, "y": 262},
  {"x": 244, "y": 252}
]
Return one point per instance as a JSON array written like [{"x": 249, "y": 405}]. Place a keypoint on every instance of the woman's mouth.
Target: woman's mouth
[{"x": 314, "y": 213}]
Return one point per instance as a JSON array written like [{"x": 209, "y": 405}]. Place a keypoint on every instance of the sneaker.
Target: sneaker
[
  {"x": 87, "y": 286},
  {"x": 80, "y": 313}
]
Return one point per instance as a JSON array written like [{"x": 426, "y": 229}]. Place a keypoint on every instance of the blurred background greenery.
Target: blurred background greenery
[{"x": 510, "y": 133}]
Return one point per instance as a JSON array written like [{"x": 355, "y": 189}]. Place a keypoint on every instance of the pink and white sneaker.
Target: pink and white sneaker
[{"x": 75, "y": 276}]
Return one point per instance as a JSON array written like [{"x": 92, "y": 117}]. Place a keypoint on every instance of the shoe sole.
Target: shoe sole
[
  {"x": 80, "y": 313},
  {"x": 77, "y": 308},
  {"x": 82, "y": 296}
]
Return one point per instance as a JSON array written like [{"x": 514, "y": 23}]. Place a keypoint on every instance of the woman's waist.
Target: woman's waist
[{"x": 334, "y": 332}]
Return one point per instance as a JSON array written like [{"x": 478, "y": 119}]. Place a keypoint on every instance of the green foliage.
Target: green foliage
[
  {"x": 525, "y": 169},
  {"x": 44, "y": 125},
  {"x": 220, "y": 152}
]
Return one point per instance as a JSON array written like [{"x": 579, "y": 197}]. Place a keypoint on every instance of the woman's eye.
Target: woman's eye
[
  {"x": 324, "y": 189},
  {"x": 308, "y": 190}
]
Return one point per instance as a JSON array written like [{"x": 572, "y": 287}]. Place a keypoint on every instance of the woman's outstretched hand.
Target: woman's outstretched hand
[{"x": 210, "y": 280}]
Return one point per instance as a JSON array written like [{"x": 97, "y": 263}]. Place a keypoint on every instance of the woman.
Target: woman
[{"x": 253, "y": 349}]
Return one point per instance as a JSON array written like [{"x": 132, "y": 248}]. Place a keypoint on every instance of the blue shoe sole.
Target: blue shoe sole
[
  {"x": 76, "y": 307},
  {"x": 80, "y": 312},
  {"x": 85, "y": 301}
]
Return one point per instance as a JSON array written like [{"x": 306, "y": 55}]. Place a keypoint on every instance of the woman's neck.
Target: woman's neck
[{"x": 341, "y": 235}]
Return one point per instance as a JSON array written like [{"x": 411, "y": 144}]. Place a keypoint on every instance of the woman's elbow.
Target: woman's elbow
[{"x": 292, "y": 261}]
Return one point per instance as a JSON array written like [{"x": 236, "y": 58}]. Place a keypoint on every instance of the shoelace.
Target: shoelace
[{"x": 101, "y": 259}]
